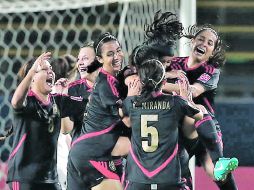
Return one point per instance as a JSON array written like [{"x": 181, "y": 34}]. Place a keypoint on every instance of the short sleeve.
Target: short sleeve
[{"x": 209, "y": 79}]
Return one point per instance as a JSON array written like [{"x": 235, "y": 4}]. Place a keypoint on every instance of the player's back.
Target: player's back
[{"x": 154, "y": 143}]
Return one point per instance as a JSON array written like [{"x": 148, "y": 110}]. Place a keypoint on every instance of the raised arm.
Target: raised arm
[{"x": 20, "y": 93}]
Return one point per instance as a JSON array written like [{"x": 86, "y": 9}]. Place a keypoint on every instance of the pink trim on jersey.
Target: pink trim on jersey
[
  {"x": 58, "y": 94},
  {"x": 123, "y": 177},
  {"x": 74, "y": 83},
  {"x": 32, "y": 93},
  {"x": 15, "y": 185},
  {"x": 111, "y": 81},
  {"x": 192, "y": 68},
  {"x": 208, "y": 105},
  {"x": 219, "y": 134},
  {"x": 184, "y": 181},
  {"x": 209, "y": 69},
  {"x": 179, "y": 67},
  {"x": 104, "y": 170},
  {"x": 92, "y": 134},
  {"x": 81, "y": 81},
  {"x": 126, "y": 186},
  {"x": 156, "y": 171},
  {"x": 15, "y": 150},
  {"x": 198, "y": 123},
  {"x": 118, "y": 162}
]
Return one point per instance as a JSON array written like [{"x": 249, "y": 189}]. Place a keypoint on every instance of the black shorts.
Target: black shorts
[
  {"x": 91, "y": 174},
  {"x": 15, "y": 185},
  {"x": 161, "y": 186}
]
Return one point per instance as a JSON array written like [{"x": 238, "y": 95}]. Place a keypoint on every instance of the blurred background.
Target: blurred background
[{"x": 30, "y": 27}]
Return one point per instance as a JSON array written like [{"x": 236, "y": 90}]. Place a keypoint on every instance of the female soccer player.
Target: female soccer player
[
  {"x": 77, "y": 89},
  {"x": 88, "y": 71},
  {"x": 153, "y": 161},
  {"x": 91, "y": 165},
  {"x": 37, "y": 124},
  {"x": 32, "y": 162},
  {"x": 202, "y": 70}
]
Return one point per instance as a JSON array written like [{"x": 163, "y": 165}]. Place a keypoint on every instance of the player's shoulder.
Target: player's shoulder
[
  {"x": 179, "y": 60},
  {"x": 211, "y": 69},
  {"x": 179, "y": 99},
  {"x": 76, "y": 83}
]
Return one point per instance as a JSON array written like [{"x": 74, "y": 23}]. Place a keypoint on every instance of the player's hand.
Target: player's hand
[
  {"x": 184, "y": 87},
  {"x": 41, "y": 63},
  {"x": 61, "y": 86},
  {"x": 134, "y": 88}
]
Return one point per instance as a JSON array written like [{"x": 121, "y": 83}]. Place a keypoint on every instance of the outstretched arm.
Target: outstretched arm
[{"x": 22, "y": 89}]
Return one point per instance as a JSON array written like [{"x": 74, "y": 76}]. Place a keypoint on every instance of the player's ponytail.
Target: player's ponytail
[
  {"x": 165, "y": 29},
  {"x": 151, "y": 73}
]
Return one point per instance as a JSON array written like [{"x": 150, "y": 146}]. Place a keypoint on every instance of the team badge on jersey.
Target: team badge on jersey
[
  {"x": 112, "y": 166},
  {"x": 204, "y": 78}
]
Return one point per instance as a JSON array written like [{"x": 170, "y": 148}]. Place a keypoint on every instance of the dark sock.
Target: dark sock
[
  {"x": 185, "y": 171},
  {"x": 208, "y": 135},
  {"x": 228, "y": 184}
]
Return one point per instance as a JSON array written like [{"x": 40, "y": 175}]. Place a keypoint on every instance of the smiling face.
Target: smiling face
[
  {"x": 43, "y": 81},
  {"x": 203, "y": 45},
  {"x": 111, "y": 56},
  {"x": 85, "y": 57}
]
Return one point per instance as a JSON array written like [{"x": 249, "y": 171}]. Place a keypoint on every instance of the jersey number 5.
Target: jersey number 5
[{"x": 149, "y": 131}]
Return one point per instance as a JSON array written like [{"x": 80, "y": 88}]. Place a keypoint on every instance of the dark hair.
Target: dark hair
[
  {"x": 151, "y": 73},
  {"x": 106, "y": 37},
  {"x": 218, "y": 58},
  {"x": 63, "y": 65},
  {"x": 141, "y": 53},
  {"x": 24, "y": 69},
  {"x": 163, "y": 32},
  {"x": 70, "y": 59}
]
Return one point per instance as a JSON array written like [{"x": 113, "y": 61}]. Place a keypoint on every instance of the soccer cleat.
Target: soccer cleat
[{"x": 223, "y": 167}]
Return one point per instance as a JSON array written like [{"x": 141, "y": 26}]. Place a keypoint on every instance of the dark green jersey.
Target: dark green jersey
[
  {"x": 98, "y": 136},
  {"x": 79, "y": 90},
  {"x": 154, "y": 142}
]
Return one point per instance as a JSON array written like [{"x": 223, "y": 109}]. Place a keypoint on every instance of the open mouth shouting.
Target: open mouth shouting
[
  {"x": 200, "y": 51},
  {"x": 82, "y": 68},
  {"x": 50, "y": 80}
]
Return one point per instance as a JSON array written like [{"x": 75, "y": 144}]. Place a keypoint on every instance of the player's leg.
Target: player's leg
[
  {"x": 184, "y": 162},
  {"x": 74, "y": 179},
  {"x": 121, "y": 147},
  {"x": 108, "y": 184},
  {"x": 120, "y": 150},
  {"x": 225, "y": 180},
  {"x": 208, "y": 135}
]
